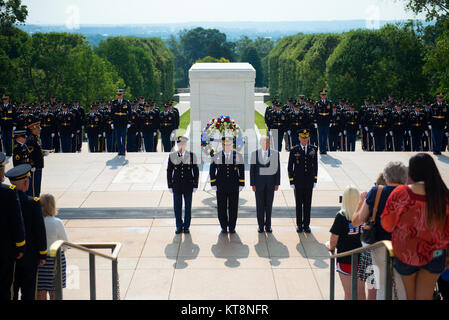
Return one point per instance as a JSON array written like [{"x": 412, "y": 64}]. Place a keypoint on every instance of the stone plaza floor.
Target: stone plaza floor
[{"x": 105, "y": 198}]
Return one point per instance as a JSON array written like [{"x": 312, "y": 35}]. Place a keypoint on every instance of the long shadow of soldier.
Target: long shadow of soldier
[
  {"x": 329, "y": 160},
  {"x": 277, "y": 250},
  {"x": 187, "y": 251},
  {"x": 309, "y": 247},
  {"x": 171, "y": 251},
  {"x": 231, "y": 248},
  {"x": 117, "y": 162}
]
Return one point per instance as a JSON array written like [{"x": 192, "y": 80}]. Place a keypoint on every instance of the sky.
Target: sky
[{"x": 82, "y": 12}]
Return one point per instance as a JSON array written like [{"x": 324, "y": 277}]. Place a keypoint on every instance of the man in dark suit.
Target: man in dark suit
[
  {"x": 265, "y": 179},
  {"x": 227, "y": 177},
  {"x": 182, "y": 179},
  {"x": 303, "y": 174}
]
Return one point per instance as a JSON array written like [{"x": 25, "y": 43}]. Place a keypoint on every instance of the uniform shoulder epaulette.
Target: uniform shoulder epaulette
[
  {"x": 12, "y": 187},
  {"x": 36, "y": 199}
]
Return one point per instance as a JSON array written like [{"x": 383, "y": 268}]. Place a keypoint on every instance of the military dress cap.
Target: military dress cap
[
  {"x": 301, "y": 96},
  {"x": 18, "y": 173},
  {"x": 120, "y": 91},
  {"x": 304, "y": 133},
  {"x": 182, "y": 140},
  {"x": 19, "y": 133},
  {"x": 35, "y": 125},
  {"x": 324, "y": 92},
  {"x": 5, "y": 96},
  {"x": 2, "y": 160},
  {"x": 440, "y": 95}
]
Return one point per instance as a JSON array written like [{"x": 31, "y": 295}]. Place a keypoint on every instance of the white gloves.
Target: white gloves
[
  {"x": 77, "y": 131},
  {"x": 289, "y": 132},
  {"x": 340, "y": 134},
  {"x": 99, "y": 135},
  {"x": 410, "y": 132},
  {"x": 52, "y": 135},
  {"x": 430, "y": 127},
  {"x": 155, "y": 134},
  {"x": 195, "y": 189},
  {"x": 104, "y": 134},
  {"x": 371, "y": 134},
  {"x": 316, "y": 125},
  {"x": 141, "y": 134},
  {"x": 366, "y": 128},
  {"x": 170, "y": 189},
  {"x": 330, "y": 125},
  {"x": 314, "y": 185},
  {"x": 112, "y": 126},
  {"x": 426, "y": 132},
  {"x": 240, "y": 188},
  {"x": 386, "y": 134},
  {"x": 447, "y": 134},
  {"x": 391, "y": 133},
  {"x": 292, "y": 186},
  {"x": 137, "y": 133},
  {"x": 214, "y": 188},
  {"x": 82, "y": 127},
  {"x": 13, "y": 128},
  {"x": 128, "y": 126},
  {"x": 345, "y": 132},
  {"x": 73, "y": 135},
  {"x": 85, "y": 135}
]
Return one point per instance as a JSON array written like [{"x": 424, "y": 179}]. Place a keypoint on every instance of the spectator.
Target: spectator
[
  {"x": 381, "y": 180},
  {"x": 346, "y": 237},
  {"x": 394, "y": 174},
  {"x": 55, "y": 231},
  {"x": 417, "y": 217}
]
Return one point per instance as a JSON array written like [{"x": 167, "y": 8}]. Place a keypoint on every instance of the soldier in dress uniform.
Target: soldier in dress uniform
[
  {"x": 176, "y": 120},
  {"x": 364, "y": 116},
  {"x": 36, "y": 158},
  {"x": 79, "y": 118},
  {"x": 12, "y": 234},
  {"x": 303, "y": 175},
  {"x": 427, "y": 137},
  {"x": 54, "y": 110},
  {"x": 66, "y": 129},
  {"x": 167, "y": 127},
  {"x": 380, "y": 129},
  {"x": 8, "y": 118},
  {"x": 149, "y": 126},
  {"x": 439, "y": 122},
  {"x": 335, "y": 129},
  {"x": 277, "y": 126},
  {"x": 182, "y": 180},
  {"x": 21, "y": 153},
  {"x": 416, "y": 121},
  {"x": 49, "y": 128},
  {"x": 25, "y": 118},
  {"x": 227, "y": 177},
  {"x": 323, "y": 109},
  {"x": 133, "y": 135},
  {"x": 121, "y": 110},
  {"x": 25, "y": 277},
  {"x": 93, "y": 126},
  {"x": 314, "y": 125},
  {"x": 107, "y": 124},
  {"x": 296, "y": 119},
  {"x": 398, "y": 124},
  {"x": 352, "y": 124}
]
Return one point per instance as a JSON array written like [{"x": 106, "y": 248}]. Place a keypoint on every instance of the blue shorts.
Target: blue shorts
[{"x": 437, "y": 266}]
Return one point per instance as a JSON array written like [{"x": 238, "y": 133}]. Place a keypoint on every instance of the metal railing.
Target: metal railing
[
  {"x": 55, "y": 252},
  {"x": 354, "y": 263}
]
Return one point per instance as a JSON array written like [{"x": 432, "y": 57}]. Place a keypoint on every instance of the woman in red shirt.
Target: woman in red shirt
[{"x": 417, "y": 217}]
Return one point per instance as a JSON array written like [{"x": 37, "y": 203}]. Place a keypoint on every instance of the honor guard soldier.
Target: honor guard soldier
[
  {"x": 121, "y": 110},
  {"x": 364, "y": 115},
  {"x": 380, "y": 129},
  {"x": 107, "y": 124},
  {"x": 93, "y": 133},
  {"x": 416, "y": 122},
  {"x": 407, "y": 132},
  {"x": 149, "y": 126},
  {"x": 182, "y": 180},
  {"x": 25, "y": 277},
  {"x": 268, "y": 111},
  {"x": 25, "y": 118},
  {"x": 227, "y": 177},
  {"x": 66, "y": 129},
  {"x": 427, "y": 137},
  {"x": 277, "y": 126},
  {"x": 79, "y": 118},
  {"x": 8, "y": 118},
  {"x": 21, "y": 153},
  {"x": 48, "y": 128},
  {"x": 176, "y": 120},
  {"x": 36, "y": 158},
  {"x": 439, "y": 122},
  {"x": 352, "y": 125},
  {"x": 56, "y": 141},
  {"x": 323, "y": 109},
  {"x": 133, "y": 135},
  {"x": 296, "y": 120},
  {"x": 313, "y": 119},
  {"x": 398, "y": 124},
  {"x": 303, "y": 175},
  {"x": 167, "y": 127},
  {"x": 335, "y": 129},
  {"x": 12, "y": 234}
]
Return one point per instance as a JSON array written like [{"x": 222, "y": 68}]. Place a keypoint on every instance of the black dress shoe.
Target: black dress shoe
[
  {"x": 224, "y": 231},
  {"x": 269, "y": 230},
  {"x": 259, "y": 230},
  {"x": 232, "y": 231},
  {"x": 186, "y": 231},
  {"x": 178, "y": 231},
  {"x": 299, "y": 229},
  {"x": 307, "y": 230}
]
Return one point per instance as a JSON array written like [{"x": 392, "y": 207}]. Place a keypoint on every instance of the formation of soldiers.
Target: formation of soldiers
[
  {"x": 114, "y": 126},
  {"x": 392, "y": 125}
]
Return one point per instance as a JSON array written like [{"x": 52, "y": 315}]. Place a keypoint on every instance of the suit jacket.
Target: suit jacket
[
  {"x": 265, "y": 174},
  {"x": 303, "y": 166},
  {"x": 182, "y": 172},
  {"x": 227, "y": 176}
]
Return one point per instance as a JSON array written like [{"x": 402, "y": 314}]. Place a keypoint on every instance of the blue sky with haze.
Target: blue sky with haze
[{"x": 170, "y": 11}]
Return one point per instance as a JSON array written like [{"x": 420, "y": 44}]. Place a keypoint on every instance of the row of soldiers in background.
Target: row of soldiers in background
[
  {"x": 391, "y": 126},
  {"x": 63, "y": 124}
]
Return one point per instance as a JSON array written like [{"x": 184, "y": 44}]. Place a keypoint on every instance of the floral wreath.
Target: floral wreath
[{"x": 215, "y": 130}]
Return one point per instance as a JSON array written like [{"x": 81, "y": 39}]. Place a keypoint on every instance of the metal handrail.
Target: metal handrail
[
  {"x": 55, "y": 252},
  {"x": 354, "y": 263}
]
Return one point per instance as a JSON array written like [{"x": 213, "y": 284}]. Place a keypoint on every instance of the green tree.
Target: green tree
[
  {"x": 11, "y": 12},
  {"x": 432, "y": 8},
  {"x": 251, "y": 56},
  {"x": 210, "y": 59}
]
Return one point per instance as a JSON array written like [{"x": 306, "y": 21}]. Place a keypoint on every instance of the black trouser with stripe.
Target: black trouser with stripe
[
  {"x": 303, "y": 197},
  {"x": 227, "y": 201},
  {"x": 25, "y": 279},
  {"x": 6, "y": 278}
]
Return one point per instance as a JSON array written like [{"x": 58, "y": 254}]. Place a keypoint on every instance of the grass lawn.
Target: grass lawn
[
  {"x": 184, "y": 122},
  {"x": 260, "y": 123}
]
